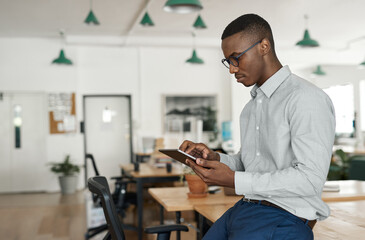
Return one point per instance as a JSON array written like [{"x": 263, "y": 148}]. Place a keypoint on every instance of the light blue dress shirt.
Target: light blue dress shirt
[{"x": 287, "y": 135}]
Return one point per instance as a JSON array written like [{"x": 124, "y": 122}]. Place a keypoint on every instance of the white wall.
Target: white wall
[{"x": 146, "y": 73}]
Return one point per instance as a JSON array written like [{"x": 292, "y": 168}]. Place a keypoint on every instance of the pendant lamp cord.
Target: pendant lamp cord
[
  {"x": 62, "y": 34},
  {"x": 194, "y": 37},
  {"x": 306, "y": 20}
]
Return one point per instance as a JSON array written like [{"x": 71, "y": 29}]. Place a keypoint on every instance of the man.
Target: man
[{"x": 287, "y": 134}]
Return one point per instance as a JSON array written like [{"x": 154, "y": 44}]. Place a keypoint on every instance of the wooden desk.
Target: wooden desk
[
  {"x": 146, "y": 170},
  {"x": 350, "y": 149},
  {"x": 175, "y": 199},
  {"x": 140, "y": 157},
  {"x": 149, "y": 174},
  {"x": 212, "y": 212},
  {"x": 350, "y": 190},
  {"x": 347, "y": 220},
  {"x": 213, "y": 206}
]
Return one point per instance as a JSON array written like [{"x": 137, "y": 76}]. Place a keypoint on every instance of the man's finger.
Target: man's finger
[
  {"x": 206, "y": 163},
  {"x": 203, "y": 149},
  {"x": 185, "y": 145},
  {"x": 197, "y": 169}
]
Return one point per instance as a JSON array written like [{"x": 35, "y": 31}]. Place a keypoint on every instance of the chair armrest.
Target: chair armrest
[
  {"x": 123, "y": 179},
  {"x": 117, "y": 178},
  {"x": 166, "y": 228}
]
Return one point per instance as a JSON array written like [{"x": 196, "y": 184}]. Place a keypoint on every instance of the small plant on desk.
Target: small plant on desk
[{"x": 197, "y": 187}]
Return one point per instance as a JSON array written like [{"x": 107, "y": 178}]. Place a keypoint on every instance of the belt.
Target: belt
[{"x": 310, "y": 223}]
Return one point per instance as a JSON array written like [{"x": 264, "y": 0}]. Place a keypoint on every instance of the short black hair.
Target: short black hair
[{"x": 251, "y": 24}]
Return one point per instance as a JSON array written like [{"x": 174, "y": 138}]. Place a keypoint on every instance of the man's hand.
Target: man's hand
[
  {"x": 199, "y": 150},
  {"x": 212, "y": 172}
]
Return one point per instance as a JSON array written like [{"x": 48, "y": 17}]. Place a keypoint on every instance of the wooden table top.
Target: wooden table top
[
  {"x": 350, "y": 149},
  {"x": 212, "y": 212},
  {"x": 176, "y": 198},
  {"x": 350, "y": 190},
  {"x": 347, "y": 219},
  {"x": 147, "y": 170}
]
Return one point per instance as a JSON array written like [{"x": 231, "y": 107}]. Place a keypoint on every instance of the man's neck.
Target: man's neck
[{"x": 271, "y": 68}]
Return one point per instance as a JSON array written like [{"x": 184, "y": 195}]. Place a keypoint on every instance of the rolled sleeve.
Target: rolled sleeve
[{"x": 232, "y": 161}]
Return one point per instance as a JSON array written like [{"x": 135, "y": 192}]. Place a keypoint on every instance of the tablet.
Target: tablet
[{"x": 177, "y": 154}]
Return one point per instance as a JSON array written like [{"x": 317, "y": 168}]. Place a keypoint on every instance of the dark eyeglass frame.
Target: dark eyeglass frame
[{"x": 236, "y": 58}]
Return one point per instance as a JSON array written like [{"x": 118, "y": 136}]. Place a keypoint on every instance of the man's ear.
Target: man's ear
[{"x": 265, "y": 46}]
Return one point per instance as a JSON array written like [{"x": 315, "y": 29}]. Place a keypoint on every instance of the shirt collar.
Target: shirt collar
[{"x": 271, "y": 84}]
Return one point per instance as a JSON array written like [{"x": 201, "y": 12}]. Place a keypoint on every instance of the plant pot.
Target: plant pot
[
  {"x": 197, "y": 187},
  {"x": 68, "y": 184}
]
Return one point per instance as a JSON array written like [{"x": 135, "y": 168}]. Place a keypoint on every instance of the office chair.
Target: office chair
[
  {"x": 357, "y": 167},
  {"x": 121, "y": 198},
  {"x": 100, "y": 187}
]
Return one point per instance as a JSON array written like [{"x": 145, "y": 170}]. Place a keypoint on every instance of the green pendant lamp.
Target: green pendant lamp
[
  {"x": 195, "y": 59},
  {"x": 62, "y": 59},
  {"x": 146, "y": 20},
  {"x": 183, "y": 6},
  {"x": 362, "y": 64},
  {"x": 91, "y": 18},
  {"x": 199, "y": 23},
  {"x": 307, "y": 41},
  {"x": 319, "y": 71}
]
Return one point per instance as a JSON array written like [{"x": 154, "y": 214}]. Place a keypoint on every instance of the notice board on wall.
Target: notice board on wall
[{"x": 62, "y": 113}]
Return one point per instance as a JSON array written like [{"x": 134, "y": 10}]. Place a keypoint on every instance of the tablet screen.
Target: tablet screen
[{"x": 177, "y": 154}]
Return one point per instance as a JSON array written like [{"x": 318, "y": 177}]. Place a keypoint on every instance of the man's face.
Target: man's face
[{"x": 250, "y": 68}]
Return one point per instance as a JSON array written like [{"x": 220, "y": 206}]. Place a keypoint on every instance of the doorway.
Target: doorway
[
  {"x": 22, "y": 142},
  {"x": 108, "y": 133}
]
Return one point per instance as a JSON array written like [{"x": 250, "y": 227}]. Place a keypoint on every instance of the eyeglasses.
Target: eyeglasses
[{"x": 233, "y": 60}]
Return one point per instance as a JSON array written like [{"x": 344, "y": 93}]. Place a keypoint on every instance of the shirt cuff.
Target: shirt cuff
[{"x": 243, "y": 183}]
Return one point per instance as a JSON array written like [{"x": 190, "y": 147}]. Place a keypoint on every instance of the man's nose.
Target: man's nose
[{"x": 232, "y": 69}]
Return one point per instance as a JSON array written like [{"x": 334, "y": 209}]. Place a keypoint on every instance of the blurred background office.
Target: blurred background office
[{"x": 109, "y": 77}]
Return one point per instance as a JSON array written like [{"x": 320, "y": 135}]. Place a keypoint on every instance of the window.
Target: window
[{"x": 342, "y": 97}]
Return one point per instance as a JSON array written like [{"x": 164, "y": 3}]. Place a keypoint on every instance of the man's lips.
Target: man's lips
[{"x": 240, "y": 77}]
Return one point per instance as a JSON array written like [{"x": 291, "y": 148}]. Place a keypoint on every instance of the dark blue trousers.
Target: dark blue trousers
[{"x": 247, "y": 220}]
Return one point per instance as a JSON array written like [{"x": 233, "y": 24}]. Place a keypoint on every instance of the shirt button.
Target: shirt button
[
  {"x": 259, "y": 101},
  {"x": 257, "y": 154},
  {"x": 257, "y": 127}
]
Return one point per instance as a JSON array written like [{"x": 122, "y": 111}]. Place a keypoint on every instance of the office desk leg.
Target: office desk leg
[
  {"x": 198, "y": 220},
  {"x": 140, "y": 208},
  {"x": 203, "y": 226},
  {"x": 161, "y": 215},
  {"x": 178, "y": 217}
]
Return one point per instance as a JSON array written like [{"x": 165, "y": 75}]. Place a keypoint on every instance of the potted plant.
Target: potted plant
[
  {"x": 67, "y": 175},
  {"x": 339, "y": 166},
  {"x": 197, "y": 187}
]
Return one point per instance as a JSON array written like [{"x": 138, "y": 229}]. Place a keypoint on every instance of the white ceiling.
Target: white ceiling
[{"x": 331, "y": 22}]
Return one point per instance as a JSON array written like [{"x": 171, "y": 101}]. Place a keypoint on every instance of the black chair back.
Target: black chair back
[
  {"x": 99, "y": 186},
  {"x": 91, "y": 157}
]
